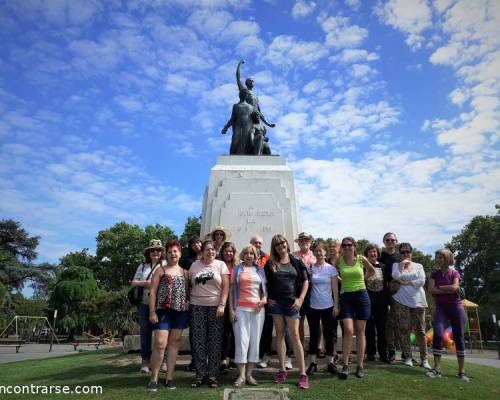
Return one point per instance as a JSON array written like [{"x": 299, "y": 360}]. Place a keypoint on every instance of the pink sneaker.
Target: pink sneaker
[
  {"x": 303, "y": 382},
  {"x": 280, "y": 376}
]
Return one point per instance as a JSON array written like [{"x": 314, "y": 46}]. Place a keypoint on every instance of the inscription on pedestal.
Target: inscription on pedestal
[{"x": 252, "y": 214}]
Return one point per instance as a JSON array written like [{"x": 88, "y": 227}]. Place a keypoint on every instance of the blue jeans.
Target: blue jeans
[{"x": 146, "y": 330}]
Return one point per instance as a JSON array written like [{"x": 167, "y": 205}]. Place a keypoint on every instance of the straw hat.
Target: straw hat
[
  {"x": 304, "y": 236},
  {"x": 227, "y": 233}
]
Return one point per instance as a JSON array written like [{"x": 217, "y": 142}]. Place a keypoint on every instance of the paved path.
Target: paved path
[
  {"x": 486, "y": 357},
  {"x": 35, "y": 351},
  {"x": 38, "y": 351}
]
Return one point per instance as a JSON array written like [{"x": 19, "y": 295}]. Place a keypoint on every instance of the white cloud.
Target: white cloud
[
  {"x": 129, "y": 103},
  {"x": 302, "y": 8},
  {"x": 251, "y": 44},
  {"x": 459, "y": 96},
  {"x": 81, "y": 192},
  {"x": 354, "y": 4},
  {"x": 411, "y": 17},
  {"x": 472, "y": 52},
  {"x": 340, "y": 34},
  {"x": 95, "y": 56},
  {"x": 355, "y": 55},
  {"x": 351, "y": 198},
  {"x": 286, "y": 50},
  {"x": 181, "y": 84},
  {"x": 362, "y": 71}
]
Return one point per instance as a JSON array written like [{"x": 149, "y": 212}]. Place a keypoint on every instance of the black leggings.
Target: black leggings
[{"x": 327, "y": 321}]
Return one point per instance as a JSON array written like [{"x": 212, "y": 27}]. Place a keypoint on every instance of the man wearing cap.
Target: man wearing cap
[{"x": 305, "y": 253}]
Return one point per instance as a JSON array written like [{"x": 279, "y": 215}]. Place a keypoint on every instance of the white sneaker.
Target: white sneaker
[
  {"x": 263, "y": 362},
  {"x": 408, "y": 362},
  {"x": 288, "y": 364},
  {"x": 425, "y": 364}
]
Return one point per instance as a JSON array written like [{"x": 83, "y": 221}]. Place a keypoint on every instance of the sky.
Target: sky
[{"x": 387, "y": 111}]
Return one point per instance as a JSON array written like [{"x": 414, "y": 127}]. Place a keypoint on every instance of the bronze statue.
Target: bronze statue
[
  {"x": 258, "y": 139},
  {"x": 249, "y": 135},
  {"x": 252, "y": 99},
  {"x": 242, "y": 124}
]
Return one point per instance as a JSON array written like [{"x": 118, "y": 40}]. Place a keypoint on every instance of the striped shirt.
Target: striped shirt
[{"x": 249, "y": 285}]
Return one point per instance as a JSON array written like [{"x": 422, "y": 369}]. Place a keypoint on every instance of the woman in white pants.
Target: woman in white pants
[{"x": 247, "y": 297}]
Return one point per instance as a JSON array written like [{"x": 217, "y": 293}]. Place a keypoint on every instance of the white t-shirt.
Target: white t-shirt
[
  {"x": 142, "y": 274},
  {"x": 321, "y": 286},
  {"x": 412, "y": 295}
]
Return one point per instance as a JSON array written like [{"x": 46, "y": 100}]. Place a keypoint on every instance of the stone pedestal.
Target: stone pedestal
[{"x": 251, "y": 195}]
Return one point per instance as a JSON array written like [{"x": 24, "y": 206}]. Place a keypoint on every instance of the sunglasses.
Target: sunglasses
[
  {"x": 280, "y": 243},
  {"x": 405, "y": 252},
  {"x": 155, "y": 251},
  {"x": 347, "y": 245},
  {"x": 391, "y": 240},
  {"x": 219, "y": 234}
]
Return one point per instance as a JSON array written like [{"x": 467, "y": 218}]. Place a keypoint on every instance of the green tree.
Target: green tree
[
  {"x": 164, "y": 233},
  {"x": 191, "y": 228},
  {"x": 17, "y": 251},
  {"x": 425, "y": 259},
  {"x": 34, "y": 307},
  {"x": 111, "y": 311},
  {"x": 478, "y": 260},
  {"x": 75, "y": 286},
  {"x": 120, "y": 249},
  {"x": 81, "y": 259}
]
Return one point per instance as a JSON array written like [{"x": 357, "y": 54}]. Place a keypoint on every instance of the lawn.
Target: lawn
[{"x": 118, "y": 375}]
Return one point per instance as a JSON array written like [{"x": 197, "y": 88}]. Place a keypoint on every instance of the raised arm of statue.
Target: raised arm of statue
[{"x": 238, "y": 76}]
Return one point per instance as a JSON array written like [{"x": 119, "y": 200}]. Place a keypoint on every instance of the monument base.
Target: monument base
[{"x": 251, "y": 195}]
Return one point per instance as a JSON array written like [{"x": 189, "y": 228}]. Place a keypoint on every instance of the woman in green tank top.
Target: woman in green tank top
[{"x": 354, "y": 303}]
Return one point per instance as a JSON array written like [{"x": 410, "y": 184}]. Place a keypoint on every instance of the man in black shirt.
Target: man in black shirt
[{"x": 388, "y": 257}]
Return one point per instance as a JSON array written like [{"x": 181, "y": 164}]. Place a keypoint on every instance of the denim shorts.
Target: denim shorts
[
  {"x": 355, "y": 305},
  {"x": 279, "y": 309},
  {"x": 171, "y": 319}
]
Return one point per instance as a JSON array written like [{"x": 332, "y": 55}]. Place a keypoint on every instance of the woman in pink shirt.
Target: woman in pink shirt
[{"x": 209, "y": 281}]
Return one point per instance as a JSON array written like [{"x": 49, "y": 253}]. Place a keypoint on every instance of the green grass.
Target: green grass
[{"x": 118, "y": 375}]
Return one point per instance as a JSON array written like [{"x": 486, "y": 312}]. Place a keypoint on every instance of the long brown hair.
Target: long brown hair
[
  {"x": 235, "y": 259},
  {"x": 274, "y": 258}
]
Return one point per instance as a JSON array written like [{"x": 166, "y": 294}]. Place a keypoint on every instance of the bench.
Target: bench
[
  {"x": 79, "y": 343},
  {"x": 12, "y": 343}
]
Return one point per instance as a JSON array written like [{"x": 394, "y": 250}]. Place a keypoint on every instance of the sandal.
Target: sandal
[
  {"x": 212, "y": 383},
  {"x": 252, "y": 381},
  {"x": 238, "y": 383}
]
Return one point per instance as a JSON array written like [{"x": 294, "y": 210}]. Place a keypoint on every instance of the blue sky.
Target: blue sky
[{"x": 388, "y": 111}]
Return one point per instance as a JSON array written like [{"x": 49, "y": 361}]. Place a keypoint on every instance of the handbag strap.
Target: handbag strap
[{"x": 152, "y": 270}]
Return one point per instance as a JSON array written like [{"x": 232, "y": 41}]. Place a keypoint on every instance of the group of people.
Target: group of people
[{"x": 230, "y": 303}]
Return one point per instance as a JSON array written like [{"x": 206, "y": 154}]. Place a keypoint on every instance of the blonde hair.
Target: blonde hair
[
  {"x": 254, "y": 251},
  {"x": 448, "y": 256},
  {"x": 274, "y": 257}
]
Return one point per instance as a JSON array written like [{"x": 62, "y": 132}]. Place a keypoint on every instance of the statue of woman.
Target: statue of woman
[{"x": 242, "y": 124}]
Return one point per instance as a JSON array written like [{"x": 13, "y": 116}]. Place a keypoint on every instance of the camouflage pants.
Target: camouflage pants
[{"x": 410, "y": 320}]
